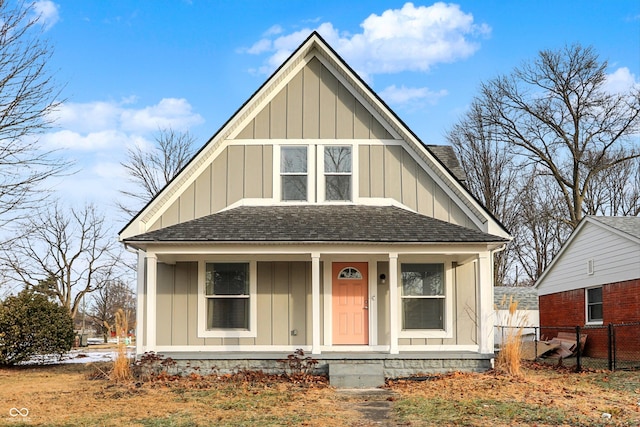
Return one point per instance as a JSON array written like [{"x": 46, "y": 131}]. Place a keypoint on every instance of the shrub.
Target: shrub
[{"x": 32, "y": 325}]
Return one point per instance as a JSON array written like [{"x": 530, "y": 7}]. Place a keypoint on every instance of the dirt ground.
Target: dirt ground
[{"x": 67, "y": 395}]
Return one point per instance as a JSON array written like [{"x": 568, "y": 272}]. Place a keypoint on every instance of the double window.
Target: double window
[
  {"x": 423, "y": 297},
  {"x": 594, "y": 305},
  {"x": 334, "y": 184}
]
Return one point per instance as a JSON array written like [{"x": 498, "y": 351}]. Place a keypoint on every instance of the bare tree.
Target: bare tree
[
  {"x": 150, "y": 171},
  {"x": 67, "y": 253},
  {"x": 540, "y": 230},
  {"x": 615, "y": 191},
  {"x": 27, "y": 97},
  {"x": 113, "y": 296},
  {"x": 556, "y": 112},
  {"x": 492, "y": 175}
]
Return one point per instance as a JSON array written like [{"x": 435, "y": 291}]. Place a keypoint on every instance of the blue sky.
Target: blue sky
[{"x": 131, "y": 67}]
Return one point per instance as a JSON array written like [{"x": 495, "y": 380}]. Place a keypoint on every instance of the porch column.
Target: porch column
[
  {"x": 315, "y": 303},
  {"x": 152, "y": 274},
  {"x": 394, "y": 326},
  {"x": 485, "y": 303},
  {"x": 140, "y": 297}
]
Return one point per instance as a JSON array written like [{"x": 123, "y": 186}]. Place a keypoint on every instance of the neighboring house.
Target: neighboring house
[
  {"x": 594, "y": 280},
  {"x": 526, "y": 316},
  {"x": 315, "y": 219}
]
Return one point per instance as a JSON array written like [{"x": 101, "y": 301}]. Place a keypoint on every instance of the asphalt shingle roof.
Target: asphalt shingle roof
[
  {"x": 317, "y": 223},
  {"x": 527, "y": 297},
  {"x": 447, "y": 156}
]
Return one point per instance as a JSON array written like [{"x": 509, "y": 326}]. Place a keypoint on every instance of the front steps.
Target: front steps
[{"x": 354, "y": 374}]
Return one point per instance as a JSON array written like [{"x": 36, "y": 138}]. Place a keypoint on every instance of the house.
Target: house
[
  {"x": 315, "y": 219},
  {"x": 594, "y": 281}
]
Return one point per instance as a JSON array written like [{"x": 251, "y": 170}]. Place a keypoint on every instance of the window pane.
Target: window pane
[
  {"x": 595, "y": 312},
  {"x": 423, "y": 279},
  {"x": 422, "y": 313},
  {"x": 227, "y": 279},
  {"x": 228, "y": 313},
  {"x": 594, "y": 295},
  {"x": 338, "y": 187},
  {"x": 293, "y": 160},
  {"x": 294, "y": 187},
  {"x": 337, "y": 159}
]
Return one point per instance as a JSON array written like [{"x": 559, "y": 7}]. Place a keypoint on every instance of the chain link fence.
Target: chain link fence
[{"x": 612, "y": 347}]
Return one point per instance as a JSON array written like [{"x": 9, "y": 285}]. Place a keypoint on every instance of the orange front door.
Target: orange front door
[{"x": 350, "y": 303}]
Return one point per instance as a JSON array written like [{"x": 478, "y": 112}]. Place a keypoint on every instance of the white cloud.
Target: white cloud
[
  {"x": 407, "y": 39},
  {"x": 411, "y": 95},
  {"x": 47, "y": 13},
  {"x": 125, "y": 116},
  {"x": 621, "y": 80}
]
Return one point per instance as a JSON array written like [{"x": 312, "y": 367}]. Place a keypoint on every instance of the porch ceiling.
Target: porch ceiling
[{"x": 316, "y": 223}]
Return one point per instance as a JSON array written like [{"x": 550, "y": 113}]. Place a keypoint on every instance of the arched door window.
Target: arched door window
[{"x": 349, "y": 273}]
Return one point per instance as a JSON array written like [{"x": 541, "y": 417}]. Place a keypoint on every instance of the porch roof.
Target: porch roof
[{"x": 316, "y": 223}]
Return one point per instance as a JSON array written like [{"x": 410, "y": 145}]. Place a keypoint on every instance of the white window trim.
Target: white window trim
[
  {"x": 586, "y": 306},
  {"x": 447, "y": 332},
  {"x": 315, "y": 170},
  {"x": 203, "y": 332}
]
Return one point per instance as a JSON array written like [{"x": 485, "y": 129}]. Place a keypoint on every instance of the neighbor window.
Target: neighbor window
[
  {"x": 337, "y": 172},
  {"x": 423, "y": 296},
  {"x": 293, "y": 172},
  {"x": 594, "y": 305},
  {"x": 227, "y": 295}
]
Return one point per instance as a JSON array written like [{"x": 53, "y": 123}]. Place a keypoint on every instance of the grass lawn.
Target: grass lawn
[{"x": 64, "y": 395}]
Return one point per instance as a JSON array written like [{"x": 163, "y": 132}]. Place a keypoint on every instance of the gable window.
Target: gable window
[
  {"x": 594, "y": 305},
  {"x": 337, "y": 173},
  {"x": 293, "y": 173},
  {"x": 227, "y": 295},
  {"x": 423, "y": 297}
]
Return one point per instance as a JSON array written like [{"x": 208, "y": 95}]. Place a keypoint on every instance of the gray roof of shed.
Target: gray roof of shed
[
  {"x": 316, "y": 223},
  {"x": 627, "y": 224},
  {"x": 527, "y": 297}
]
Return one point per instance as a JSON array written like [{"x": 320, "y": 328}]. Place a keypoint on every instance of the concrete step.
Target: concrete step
[{"x": 346, "y": 374}]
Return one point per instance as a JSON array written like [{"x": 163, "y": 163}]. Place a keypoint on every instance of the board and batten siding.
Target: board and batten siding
[
  {"x": 283, "y": 298},
  {"x": 246, "y": 171},
  {"x": 615, "y": 259},
  {"x": 238, "y": 172},
  {"x": 389, "y": 171},
  {"x": 314, "y": 105}
]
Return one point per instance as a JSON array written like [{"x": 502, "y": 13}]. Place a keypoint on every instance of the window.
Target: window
[
  {"x": 594, "y": 305},
  {"x": 337, "y": 172},
  {"x": 350, "y": 273},
  {"x": 227, "y": 296},
  {"x": 293, "y": 172},
  {"x": 423, "y": 296}
]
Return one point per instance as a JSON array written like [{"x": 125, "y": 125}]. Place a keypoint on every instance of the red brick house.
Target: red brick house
[{"x": 595, "y": 281}]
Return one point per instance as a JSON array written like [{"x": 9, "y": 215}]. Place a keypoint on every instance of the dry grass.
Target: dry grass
[
  {"x": 64, "y": 395},
  {"x": 510, "y": 355},
  {"x": 121, "y": 371}
]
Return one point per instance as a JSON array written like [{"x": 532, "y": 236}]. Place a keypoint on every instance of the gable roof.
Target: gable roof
[
  {"x": 627, "y": 227},
  {"x": 315, "y": 46},
  {"x": 316, "y": 223}
]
